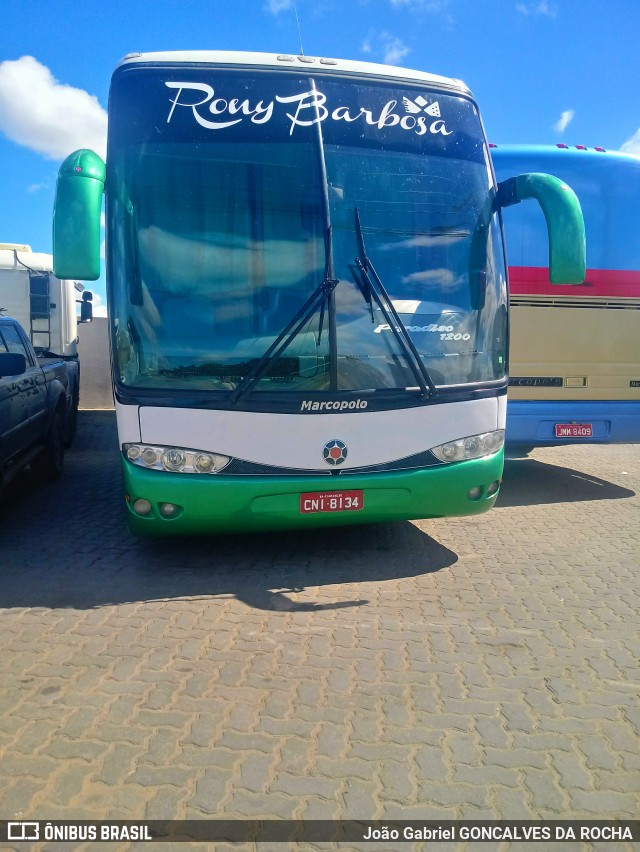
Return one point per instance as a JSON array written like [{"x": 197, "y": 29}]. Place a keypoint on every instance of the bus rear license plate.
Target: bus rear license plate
[
  {"x": 331, "y": 501},
  {"x": 574, "y": 430}
]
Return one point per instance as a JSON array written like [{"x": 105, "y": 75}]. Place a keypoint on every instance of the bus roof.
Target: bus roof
[
  {"x": 557, "y": 151},
  {"x": 288, "y": 61},
  {"x": 607, "y": 184}
]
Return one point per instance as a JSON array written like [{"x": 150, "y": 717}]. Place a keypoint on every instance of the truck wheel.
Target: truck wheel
[{"x": 49, "y": 464}]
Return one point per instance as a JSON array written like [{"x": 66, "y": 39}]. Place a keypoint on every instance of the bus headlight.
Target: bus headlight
[
  {"x": 149, "y": 455},
  {"x": 205, "y": 463},
  {"x": 473, "y": 447},
  {"x": 174, "y": 459}
]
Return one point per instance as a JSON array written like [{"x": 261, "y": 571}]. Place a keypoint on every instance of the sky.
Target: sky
[{"x": 542, "y": 71}]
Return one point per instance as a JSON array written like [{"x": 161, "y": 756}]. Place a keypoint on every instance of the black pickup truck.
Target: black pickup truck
[{"x": 34, "y": 405}]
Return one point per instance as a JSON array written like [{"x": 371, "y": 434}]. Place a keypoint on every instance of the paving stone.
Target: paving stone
[
  {"x": 273, "y": 806},
  {"x": 16, "y": 799},
  {"x": 67, "y": 749},
  {"x": 546, "y": 795},
  {"x": 211, "y": 792},
  {"x": 605, "y": 804},
  {"x": 310, "y": 786},
  {"x": 118, "y": 763},
  {"x": 360, "y": 796},
  {"x": 204, "y": 678}
]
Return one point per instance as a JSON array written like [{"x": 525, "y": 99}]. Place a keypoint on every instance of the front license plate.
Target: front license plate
[
  {"x": 331, "y": 501},
  {"x": 574, "y": 430}
]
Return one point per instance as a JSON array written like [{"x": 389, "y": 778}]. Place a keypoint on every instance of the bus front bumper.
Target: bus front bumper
[
  {"x": 206, "y": 504},
  {"x": 532, "y": 423}
]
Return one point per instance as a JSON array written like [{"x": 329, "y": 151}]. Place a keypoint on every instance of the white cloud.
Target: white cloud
[
  {"x": 566, "y": 117},
  {"x": 385, "y": 46},
  {"x": 394, "y": 49},
  {"x": 632, "y": 145},
  {"x": 427, "y": 240},
  {"x": 47, "y": 116},
  {"x": 277, "y": 6},
  {"x": 544, "y": 8},
  {"x": 424, "y": 5},
  {"x": 444, "y": 277},
  {"x": 432, "y": 7},
  {"x": 99, "y": 307}
]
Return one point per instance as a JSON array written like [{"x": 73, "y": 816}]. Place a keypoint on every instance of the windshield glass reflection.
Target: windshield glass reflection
[{"x": 216, "y": 247}]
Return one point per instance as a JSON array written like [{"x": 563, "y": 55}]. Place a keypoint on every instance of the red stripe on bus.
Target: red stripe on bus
[{"x": 534, "y": 281}]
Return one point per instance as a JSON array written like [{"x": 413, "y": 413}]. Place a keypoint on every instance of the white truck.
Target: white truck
[{"x": 46, "y": 307}]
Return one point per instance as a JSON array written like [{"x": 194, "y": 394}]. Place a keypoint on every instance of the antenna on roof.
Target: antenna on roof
[{"x": 295, "y": 9}]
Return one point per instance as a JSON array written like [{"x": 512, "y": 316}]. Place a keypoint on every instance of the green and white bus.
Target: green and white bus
[{"x": 307, "y": 289}]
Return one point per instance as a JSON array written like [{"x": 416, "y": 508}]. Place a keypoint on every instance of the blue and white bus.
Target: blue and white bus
[{"x": 575, "y": 350}]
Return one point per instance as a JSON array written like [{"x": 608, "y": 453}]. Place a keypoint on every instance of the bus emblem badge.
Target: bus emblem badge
[
  {"x": 334, "y": 452},
  {"x": 420, "y": 104}
]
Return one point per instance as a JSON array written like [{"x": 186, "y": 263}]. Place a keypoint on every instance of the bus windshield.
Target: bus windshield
[{"x": 219, "y": 212}]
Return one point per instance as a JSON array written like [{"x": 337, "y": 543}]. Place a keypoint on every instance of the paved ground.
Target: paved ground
[{"x": 468, "y": 668}]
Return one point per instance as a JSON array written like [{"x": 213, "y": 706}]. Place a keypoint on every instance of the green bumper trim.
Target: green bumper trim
[{"x": 225, "y": 504}]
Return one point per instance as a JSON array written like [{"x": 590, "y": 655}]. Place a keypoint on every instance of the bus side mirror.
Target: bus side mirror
[
  {"x": 565, "y": 223},
  {"x": 12, "y": 364},
  {"x": 86, "y": 308},
  {"x": 478, "y": 267},
  {"x": 76, "y": 216}
]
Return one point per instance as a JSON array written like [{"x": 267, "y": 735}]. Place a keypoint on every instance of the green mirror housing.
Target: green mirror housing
[
  {"x": 565, "y": 223},
  {"x": 76, "y": 216}
]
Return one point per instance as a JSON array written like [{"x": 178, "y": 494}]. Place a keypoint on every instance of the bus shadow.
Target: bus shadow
[
  {"x": 266, "y": 571},
  {"x": 528, "y": 482},
  {"x": 65, "y": 544}
]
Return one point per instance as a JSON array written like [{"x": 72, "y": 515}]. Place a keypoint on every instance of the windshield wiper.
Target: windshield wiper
[
  {"x": 379, "y": 293},
  {"x": 317, "y": 300}
]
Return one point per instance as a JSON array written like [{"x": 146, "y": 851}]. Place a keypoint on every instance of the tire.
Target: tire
[
  {"x": 72, "y": 421},
  {"x": 50, "y": 463}
]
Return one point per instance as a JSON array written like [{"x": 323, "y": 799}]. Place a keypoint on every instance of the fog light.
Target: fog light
[
  {"x": 168, "y": 510},
  {"x": 142, "y": 507},
  {"x": 493, "y": 488},
  {"x": 475, "y": 493}
]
